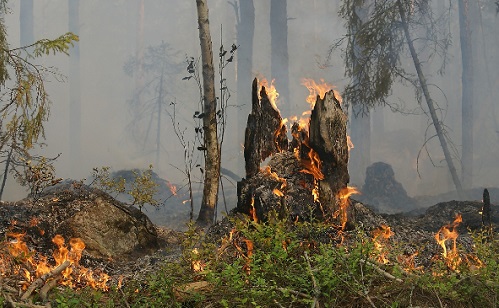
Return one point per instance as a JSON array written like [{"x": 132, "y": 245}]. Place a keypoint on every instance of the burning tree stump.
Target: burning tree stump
[
  {"x": 265, "y": 134},
  {"x": 304, "y": 179}
]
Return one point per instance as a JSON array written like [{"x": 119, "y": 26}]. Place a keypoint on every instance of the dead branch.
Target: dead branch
[
  {"x": 49, "y": 285},
  {"x": 381, "y": 271},
  {"x": 41, "y": 281}
]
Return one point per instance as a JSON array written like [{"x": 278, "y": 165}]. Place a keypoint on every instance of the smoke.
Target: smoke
[{"x": 108, "y": 38}]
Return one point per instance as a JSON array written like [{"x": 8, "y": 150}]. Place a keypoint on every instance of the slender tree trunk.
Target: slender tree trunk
[
  {"x": 74, "y": 88},
  {"x": 360, "y": 123},
  {"x": 158, "y": 124},
  {"x": 279, "y": 52},
  {"x": 429, "y": 102},
  {"x": 6, "y": 171},
  {"x": 245, "y": 33},
  {"x": 27, "y": 36},
  {"x": 139, "y": 54},
  {"x": 467, "y": 93},
  {"x": 212, "y": 151}
]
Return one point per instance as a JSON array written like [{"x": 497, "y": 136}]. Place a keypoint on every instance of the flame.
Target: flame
[
  {"x": 278, "y": 192},
  {"x": 408, "y": 262},
  {"x": 33, "y": 265},
  {"x": 173, "y": 188},
  {"x": 253, "y": 210},
  {"x": 349, "y": 143},
  {"x": 271, "y": 91},
  {"x": 380, "y": 241},
  {"x": 344, "y": 201},
  {"x": 448, "y": 232},
  {"x": 318, "y": 89}
]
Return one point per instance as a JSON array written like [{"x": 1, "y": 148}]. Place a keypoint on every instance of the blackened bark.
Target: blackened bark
[
  {"x": 265, "y": 134},
  {"x": 486, "y": 210},
  {"x": 328, "y": 137}
]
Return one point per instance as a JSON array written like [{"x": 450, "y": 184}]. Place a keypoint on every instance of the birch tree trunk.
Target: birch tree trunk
[
  {"x": 212, "y": 149},
  {"x": 429, "y": 101}
]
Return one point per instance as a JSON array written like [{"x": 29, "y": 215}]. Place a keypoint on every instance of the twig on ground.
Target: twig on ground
[
  {"x": 49, "y": 285},
  {"x": 41, "y": 281},
  {"x": 381, "y": 271}
]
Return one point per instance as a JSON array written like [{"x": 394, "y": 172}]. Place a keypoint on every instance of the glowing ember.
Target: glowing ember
[
  {"x": 253, "y": 211},
  {"x": 270, "y": 90},
  {"x": 448, "y": 232},
  {"x": 344, "y": 202},
  {"x": 380, "y": 241}
]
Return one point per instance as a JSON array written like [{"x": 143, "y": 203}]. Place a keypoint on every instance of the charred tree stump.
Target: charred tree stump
[
  {"x": 265, "y": 135},
  {"x": 304, "y": 179},
  {"x": 328, "y": 137}
]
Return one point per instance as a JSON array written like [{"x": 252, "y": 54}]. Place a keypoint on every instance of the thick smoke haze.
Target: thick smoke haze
[{"x": 110, "y": 36}]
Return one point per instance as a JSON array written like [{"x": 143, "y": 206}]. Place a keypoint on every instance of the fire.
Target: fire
[
  {"x": 253, "y": 210},
  {"x": 32, "y": 265},
  {"x": 448, "y": 232},
  {"x": 173, "y": 188},
  {"x": 349, "y": 143},
  {"x": 318, "y": 89},
  {"x": 380, "y": 241},
  {"x": 271, "y": 91},
  {"x": 344, "y": 202}
]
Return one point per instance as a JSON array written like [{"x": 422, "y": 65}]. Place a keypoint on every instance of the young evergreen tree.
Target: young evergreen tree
[{"x": 24, "y": 102}]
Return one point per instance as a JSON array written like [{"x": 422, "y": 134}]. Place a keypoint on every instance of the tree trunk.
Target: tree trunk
[
  {"x": 245, "y": 33},
  {"x": 27, "y": 36},
  {"x": 429, "y": 102},
  {"x": 74, "y": 88},
  {"x": 279, "y": 52},
  {"x": 360, "y": 120},
  {"x": 328, "y": 137},
  {"x": 467, "y": 93},
  {"x": 212, "y": 151}
]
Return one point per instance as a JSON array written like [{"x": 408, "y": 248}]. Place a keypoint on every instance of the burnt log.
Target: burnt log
[{"x": 265, "y": 134}]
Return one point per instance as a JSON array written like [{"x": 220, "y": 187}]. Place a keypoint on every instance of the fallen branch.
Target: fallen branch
[
  {"x": 381, "y": 271},
  {"x": 44, "y": 291},
  {"x": 41, "y": 281},
  {"x": 284, "y": 290}
]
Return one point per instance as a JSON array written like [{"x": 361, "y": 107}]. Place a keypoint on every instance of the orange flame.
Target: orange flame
[
  {"x": 173, "y": 188},
  {"x": 344, "y": 201},
  {"x": 349, "y": 143},
  {"x": 32, "y": 268},
  {"x": 318, "y": 89},
  {"x": 448, "y": 232},
  {"x": 380, "y": 239},
  {"x": 271, "y": 91}
]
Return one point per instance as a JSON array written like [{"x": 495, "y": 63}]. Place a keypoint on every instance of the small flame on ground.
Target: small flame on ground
[
  {"x": 380, "y": 241},
  {"x": 32, "y": 265},
  {"x": 449, "y": 232}
]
